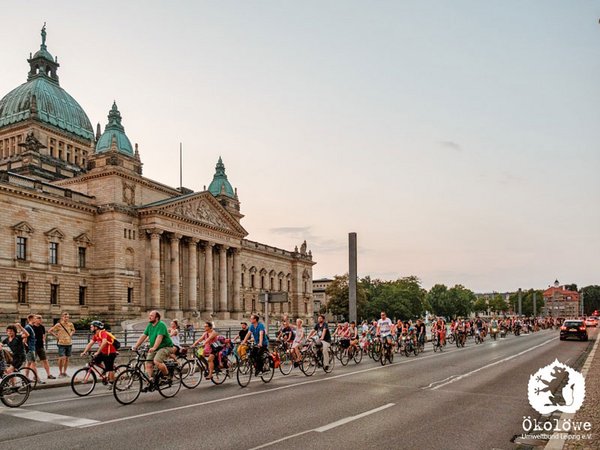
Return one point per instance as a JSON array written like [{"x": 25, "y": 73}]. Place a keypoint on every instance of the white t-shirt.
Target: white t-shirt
[{"x": 385, "y": 326}]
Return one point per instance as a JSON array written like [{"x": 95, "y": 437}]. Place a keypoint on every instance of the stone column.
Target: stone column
[
  {"x": 237, "y": 270},
  {"x": 192, "y": 274},
  {"x": 208, "y": 279},
  {"x": 174, "y": 303},
  {"x": 223, "y": 282},
  {"x": 155, "y": 267}
]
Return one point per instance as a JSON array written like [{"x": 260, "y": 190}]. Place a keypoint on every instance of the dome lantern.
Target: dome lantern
[
  {"x": 114, "y": 135},
  {"x": 42, "y": 64}
]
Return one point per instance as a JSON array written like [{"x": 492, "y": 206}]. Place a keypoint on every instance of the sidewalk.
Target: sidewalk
[{"x": 590, "y": 411}]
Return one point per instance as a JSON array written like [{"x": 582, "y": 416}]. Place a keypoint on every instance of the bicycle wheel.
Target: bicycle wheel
[
  {"x": 358, "y": 354},
  {"x": 30, "y": 374},
  {"x": 232, "y": 364},
  {"x": 169, "y": 386},
  {"x": 345, "y": 357},
  {"x": 244, "y": 372},
  {"x": 219, "y": 376},
  {"x": 83, "y": 381},
  {"x": 329, "y": 362},
  {"x": 127, "y": 386},
  {"x": 308, "y": 363},
  {"x": 268, "y": 369},
  {"x": 285, "y": 363},
  {"x": 14, "y": 389},
  {"x": 191, "y": 375}
]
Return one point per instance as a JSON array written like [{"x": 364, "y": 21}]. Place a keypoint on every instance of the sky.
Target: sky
[{"x": 460, "y": 140}]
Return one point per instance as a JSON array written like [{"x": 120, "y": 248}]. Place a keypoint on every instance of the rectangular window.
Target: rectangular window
[
  {"x": 53, "y": 252},
  {"x": 243, "y": 278},
  {"x": 22, "y": 292},
  {"x": 272, "y": 283},
  {"x": 21, "y": 248},
  {"x": 129, "y": 295},
  {"x": 289, "y": 287},
  {"x": 82, "y": 257},
  {"x": 280, "y": 285},
  {"x": 54, "y": 294},
  {"x": 252, "y": 283},
  {"x": 262, "y": 282},
  {"x": 82, "y": 292}
]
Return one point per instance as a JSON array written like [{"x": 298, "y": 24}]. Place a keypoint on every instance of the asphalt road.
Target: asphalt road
[{"x": 473, "y": 398}]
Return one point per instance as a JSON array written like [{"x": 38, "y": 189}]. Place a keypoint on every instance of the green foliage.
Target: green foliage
[
  {"x": 338, "y": 293},
  {"x": 527, "y": 302},
  {"x": 480, "y": 306},
  {"x": 454, "y": 302},
  {"x": 400, "y": 299},
  {"x": 84, "y": 322},
  {"x": 591, "y": 299},
  {"x": 497, "y": 304}
]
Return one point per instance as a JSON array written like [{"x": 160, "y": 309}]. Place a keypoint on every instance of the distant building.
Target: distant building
[
  {"x": 320, "y": 298},
  {"x": 561, "y": 302}
]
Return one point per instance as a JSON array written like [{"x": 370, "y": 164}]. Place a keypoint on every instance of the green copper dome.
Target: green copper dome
[
  {"x": 220, "y": 182},
  {"x": 41, "y": 97},
  {"x": 114, "y": 131}
]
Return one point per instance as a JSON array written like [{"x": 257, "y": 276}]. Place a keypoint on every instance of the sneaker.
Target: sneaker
[
  {"x": 51, "y": 377},
  {"x": 41, "y": 382}
]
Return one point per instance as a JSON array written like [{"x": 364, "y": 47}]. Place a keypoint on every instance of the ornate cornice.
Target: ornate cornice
[{"x": 50, "y": 199}]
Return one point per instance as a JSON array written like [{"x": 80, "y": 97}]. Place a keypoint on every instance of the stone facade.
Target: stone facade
[{"x": 82, "y": 230}]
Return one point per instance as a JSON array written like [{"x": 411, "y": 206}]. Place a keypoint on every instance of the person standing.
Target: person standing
[
  {"x": 40, "y": 345},
  {"x": 63, "y": 332}
]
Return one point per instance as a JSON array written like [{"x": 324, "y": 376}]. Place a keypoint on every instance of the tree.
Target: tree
[
  {"x": 461, "y": 300},
  {"x": 498, "y": 304},
  {"x": 527, "y": 301},
  {"x": 437, "y": 299},
  {"x": 400, "y": 299},
  {"x": 338, "y": 294},
  {"x": 480, "y": 305},
  {"x": 591, "y": 299}
]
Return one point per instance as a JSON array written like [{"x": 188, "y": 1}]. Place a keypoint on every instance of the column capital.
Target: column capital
[
  {"x": 208, "y": 244},
  {"x": 176, "y": 237},
  {"x": 154, "y": 232},
  {"x": 193, "y": 241},
  {"x": 224, "y": 248}
]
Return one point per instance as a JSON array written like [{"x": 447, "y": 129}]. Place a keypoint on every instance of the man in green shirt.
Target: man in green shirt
[{"x": 161, "y": 345}]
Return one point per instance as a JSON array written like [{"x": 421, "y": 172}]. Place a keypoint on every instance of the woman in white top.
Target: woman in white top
[
  {"x": 174, "y": 333},
  {"x": 298, "y": 341}
]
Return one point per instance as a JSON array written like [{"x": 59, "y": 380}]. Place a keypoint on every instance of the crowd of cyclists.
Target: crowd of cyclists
[{"x": 165, "y": 364}]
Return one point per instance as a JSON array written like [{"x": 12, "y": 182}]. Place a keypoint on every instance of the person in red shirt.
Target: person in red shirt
[{"x": 106, "y": 352}]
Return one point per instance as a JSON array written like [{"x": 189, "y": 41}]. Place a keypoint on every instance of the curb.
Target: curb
[
  {"x": 558, "y": 444},
  {"x": 50, "y": 385}
]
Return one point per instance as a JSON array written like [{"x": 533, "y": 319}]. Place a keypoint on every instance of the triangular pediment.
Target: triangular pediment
[
  {"x": 23, "y": 227},
  {"x": 201, "y": 208},
  {"x": 55, "y": 233},
  {"x": 83, "y": 238}
]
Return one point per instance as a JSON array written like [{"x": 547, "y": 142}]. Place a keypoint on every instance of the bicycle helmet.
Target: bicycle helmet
[{"x": 97, "y": 324}]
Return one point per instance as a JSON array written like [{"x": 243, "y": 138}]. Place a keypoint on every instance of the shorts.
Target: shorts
[
  {"x": 296, "y": 343},
  {"x": 160, "y": 355},
  {"x": 108, "y": 360},
  {"x": 30, "y": 356},
  {"x": 64, "y": 350},
  {"x": 41, "y": 353}
]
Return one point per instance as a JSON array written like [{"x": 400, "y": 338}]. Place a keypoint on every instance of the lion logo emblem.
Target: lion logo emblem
[{"x": 556, "y": 387}]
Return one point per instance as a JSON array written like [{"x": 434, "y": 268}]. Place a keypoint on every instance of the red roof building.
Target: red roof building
[{"x": 561, "y": 302}]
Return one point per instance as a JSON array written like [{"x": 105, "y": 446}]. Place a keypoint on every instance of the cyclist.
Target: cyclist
[
  {"x": 285, "y": 333},
  {"x": 298, "y": 341},
  {"x": 321, "y": 330},
  {"x": 353, "y": 335},
  {"x": 106, "y": 353},
  {"x": 161, "y": 344},
  {"x": 384, "y": 328},
  {"x": 261, "y": 340},
  {"x": 421, "y": 332},
  {"x": 208, "y": 338}
]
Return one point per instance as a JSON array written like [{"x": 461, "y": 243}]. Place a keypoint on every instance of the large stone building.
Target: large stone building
[
  {"x": 82, "y": 230},
  {"x": 561, "y": 302}
]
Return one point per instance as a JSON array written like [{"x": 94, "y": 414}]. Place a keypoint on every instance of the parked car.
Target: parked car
[
  {"x": 591, "y": 321},
  {"x": 573, "y": 328}
]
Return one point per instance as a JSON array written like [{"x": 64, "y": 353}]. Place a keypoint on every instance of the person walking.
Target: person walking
[{"x": 63, "y": 332}]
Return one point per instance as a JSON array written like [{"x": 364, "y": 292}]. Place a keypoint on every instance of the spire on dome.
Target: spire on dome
[
  {"x": 42, "y": 63},
  {"x": 220, "y": 185}
]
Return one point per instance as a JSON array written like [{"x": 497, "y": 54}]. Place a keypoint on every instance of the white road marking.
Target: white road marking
[
  {"x": 352, "y": 418},
  {"x": 490, "y": 365},
  {"x": 56, "y": 419},
  {"x": 326, "y": 427}
]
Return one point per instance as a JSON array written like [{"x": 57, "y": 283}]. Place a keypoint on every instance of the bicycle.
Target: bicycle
[
  {"x": 351, "y": 352},
  {"x": 437, "y": 343},
  {"x": 265, "y": 367},
  {"x": 84, "y": 380},
  {"x": 194, "y": 369},
  {"x": 409, "y": 346},
  {"x": 387, "y": 352},
  {"x": 282, "y": 350},
  {"x": 128, "y": 384},
  {"x": 14, "y": 389},
  {"x": 30, "y": 374},
  {"x": 312, "y": 357}
]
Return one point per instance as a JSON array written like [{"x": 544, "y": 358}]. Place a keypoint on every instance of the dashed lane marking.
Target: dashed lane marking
[{"x": 56, "y": 419}]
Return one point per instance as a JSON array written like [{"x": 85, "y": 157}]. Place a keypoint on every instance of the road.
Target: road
[{"x": 473, "y": 397}]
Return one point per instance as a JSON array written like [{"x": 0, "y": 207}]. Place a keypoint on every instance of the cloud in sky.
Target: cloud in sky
[{"x": 451, "y": 145}]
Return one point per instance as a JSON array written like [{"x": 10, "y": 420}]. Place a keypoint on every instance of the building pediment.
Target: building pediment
[
  {"x": 83, "y": 238},
  {"x": 23, "y": 227},
  {"x": 55, "y": 233},
  {"x": 199, "y": 208}
]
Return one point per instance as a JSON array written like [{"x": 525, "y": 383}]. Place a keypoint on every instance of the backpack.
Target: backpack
[{"x": 115, "y": 343}]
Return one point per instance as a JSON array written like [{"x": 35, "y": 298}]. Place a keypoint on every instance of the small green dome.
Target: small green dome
[
  {"x": 52, "y": 104},
  {"x": 114, "y": 131},
  {"x": 220, "y": 182}
]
